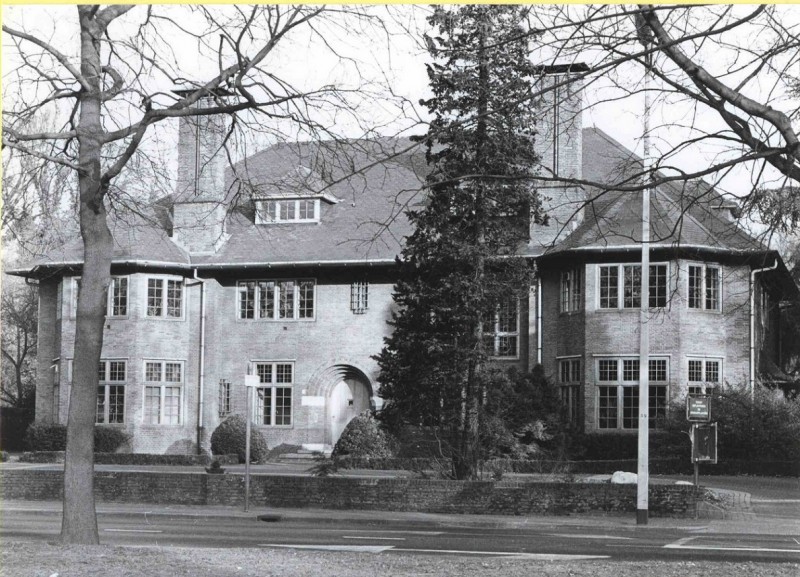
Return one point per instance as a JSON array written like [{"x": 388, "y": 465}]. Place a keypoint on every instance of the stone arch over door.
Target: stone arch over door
[{"x": 347, "y": 392}]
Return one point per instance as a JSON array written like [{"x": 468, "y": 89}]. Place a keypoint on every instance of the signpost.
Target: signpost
[
  {"x": 703, "y": 433},
  {"x": 250, "y": 382}
]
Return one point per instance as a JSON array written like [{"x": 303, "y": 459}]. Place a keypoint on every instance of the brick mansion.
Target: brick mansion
[{"x": 282, "y": 266}]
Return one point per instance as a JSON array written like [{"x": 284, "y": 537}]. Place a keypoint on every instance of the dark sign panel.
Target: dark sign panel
[
  {"x": 698, "y": 408},
  {"x": 704, "y": 443}
]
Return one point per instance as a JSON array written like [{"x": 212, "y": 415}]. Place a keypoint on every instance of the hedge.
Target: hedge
[{"x": 132, "y": 458}]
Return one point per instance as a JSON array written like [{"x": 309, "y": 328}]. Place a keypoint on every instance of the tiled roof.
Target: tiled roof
[
  {"x": 687, "y": 214},
  {"x": 363, "y": 218}
]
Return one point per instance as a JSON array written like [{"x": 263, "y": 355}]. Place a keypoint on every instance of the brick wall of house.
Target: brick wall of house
[
  {"x": 49, "y": 331},
  {"x": 677, "y": 332},
  {"x": 382, "y": 494},
  {"x": 336, "y": 337}
]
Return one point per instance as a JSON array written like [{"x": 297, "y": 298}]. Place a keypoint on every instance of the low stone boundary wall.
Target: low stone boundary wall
[{"x": 418, "y": 495}]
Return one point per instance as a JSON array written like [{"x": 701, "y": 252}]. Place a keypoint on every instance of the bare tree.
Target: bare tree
[
  {"x": 727, "y": 84},
  {"x": 109, "y": 86},
  {"x": 19, "y": 306}
]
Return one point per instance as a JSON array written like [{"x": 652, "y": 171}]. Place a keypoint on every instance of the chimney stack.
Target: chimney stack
[{"x": 198, "y": 220}]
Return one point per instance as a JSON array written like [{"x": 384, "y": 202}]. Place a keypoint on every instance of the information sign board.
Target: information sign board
[{"x": 698, "y": 408}]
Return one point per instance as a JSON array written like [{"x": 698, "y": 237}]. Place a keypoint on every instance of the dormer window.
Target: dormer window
[{"x": 287, "y": 210}]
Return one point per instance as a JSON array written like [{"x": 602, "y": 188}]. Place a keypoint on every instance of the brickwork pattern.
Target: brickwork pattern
[{"x": 413, "y": 495}]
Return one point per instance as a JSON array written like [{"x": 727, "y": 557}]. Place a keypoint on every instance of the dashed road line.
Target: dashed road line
[
  {"x": 346, "y": 548},
  {"x": 588, "y": 536},
  {"x": 368, "y": 538},
  {"x": 133, "y": 530}
]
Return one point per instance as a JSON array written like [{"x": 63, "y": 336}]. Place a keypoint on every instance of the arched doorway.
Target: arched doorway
[{"x": 348, "y": 398}]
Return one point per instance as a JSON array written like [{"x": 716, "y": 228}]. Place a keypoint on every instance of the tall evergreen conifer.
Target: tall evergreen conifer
[{"x": 460, "y": 280}]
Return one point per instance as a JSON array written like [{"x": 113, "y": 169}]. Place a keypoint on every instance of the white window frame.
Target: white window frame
[
  {"x": 704, "y": 278},
  {"x": 75, "y": 287},
  {"x": 704, "y": 386},
  {"x": 571, "y": 290},
  {"x": 107, "y": 383},
  {"x": 162, "y": 384},
  {"x": 271, "y": 388},
  {"x": 359, "y": 297},
  {"x": 281, "y": 205},
  {"x": 497, "y": 334},
  {"x": 622, "y": 384},
  {"x": 620, "y": 275},
  {"x": 241, "y": 287},
  {"x": 163, "y": 298}
]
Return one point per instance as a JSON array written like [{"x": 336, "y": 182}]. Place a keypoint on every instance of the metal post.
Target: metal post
[
  {"x": 697, "y": 473},
  {"x": 247, "y": 452},
  {"x": 643, "y": 472}
]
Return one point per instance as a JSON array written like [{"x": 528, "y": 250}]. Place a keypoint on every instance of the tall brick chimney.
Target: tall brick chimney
[
  {"x": 559, "y": 142},
  {"x": 198, "y": 219}
]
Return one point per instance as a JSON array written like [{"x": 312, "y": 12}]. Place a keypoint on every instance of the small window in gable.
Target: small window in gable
[{"x": 287, "y": 210}]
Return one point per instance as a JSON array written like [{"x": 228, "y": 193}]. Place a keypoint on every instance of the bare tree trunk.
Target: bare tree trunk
[{"x": 80, "y": 521}]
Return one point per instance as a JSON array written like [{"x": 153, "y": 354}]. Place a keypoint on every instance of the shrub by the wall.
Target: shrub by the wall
[
  {"x": 46, "y": 437},
  {"x": 109, "y": 439},
  {"x": 363, "y": 438},
  {"x": 230, "y": 437},
  {"x": 13, "y": 424}
]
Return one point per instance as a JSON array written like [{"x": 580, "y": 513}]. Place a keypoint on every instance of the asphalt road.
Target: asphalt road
[{"x": 544, "y": 539}]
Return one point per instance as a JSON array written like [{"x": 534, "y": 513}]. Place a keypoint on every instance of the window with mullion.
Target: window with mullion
[
  {"x": 571, "y": 290},
  {"x": 274, "y": 406},
  {"x": 619, "y": 409},
  {"x": 609, "y": 287},
  {"x": 111, "y": 392},
  {"x": 164, "y": 298},
  {"x": 501, "y": 329},
  {"x": 163, "y": 389},
  {"x": 629, "y": 277},
  {"x": 276, "y": 300},
  {"x": 703, "y": 373},
  {"x": 703, "y": 291},
  {"x": 117, "y": 303}
]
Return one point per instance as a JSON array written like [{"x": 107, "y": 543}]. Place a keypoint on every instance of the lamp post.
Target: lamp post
[
  {"x": 643, "y": 468},
  {"x": 250, "y": 382}
]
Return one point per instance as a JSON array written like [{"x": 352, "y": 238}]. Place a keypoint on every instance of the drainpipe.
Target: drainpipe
[
  {"x": 202, "y": 361},
  {"x": 753, "y": 325},
  {"x": 539, "y": 320}
]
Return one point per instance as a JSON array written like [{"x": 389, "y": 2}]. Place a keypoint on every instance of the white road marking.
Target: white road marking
[
  {"x": 775, "y": 500},
  {"x": 795, "y": 540},
  {"x": 683, "y": 544},
  {"x": 367, "y": 537},
  {"x": 753, "y": 549},
  {"x": 587, "y": 536},
  {"x": 350, "y": 548},
  {"x": 133, "y": 530},
  {"x": 381, "y": 549},
  {"x": 387, "y": 531},
  {"x": 679, "y": 543},
  {"x": 509, "y": 555}
]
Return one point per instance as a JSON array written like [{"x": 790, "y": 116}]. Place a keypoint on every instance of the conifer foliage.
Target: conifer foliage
[{"x": 460, "y": 279}]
